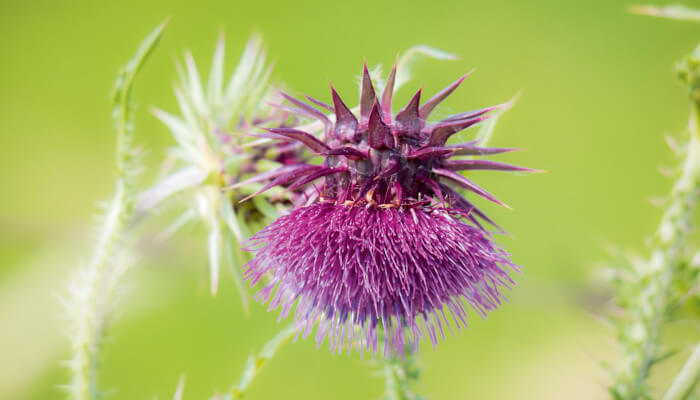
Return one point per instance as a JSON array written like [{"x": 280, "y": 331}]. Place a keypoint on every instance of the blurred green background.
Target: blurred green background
[{"x": 597, "y": 96}]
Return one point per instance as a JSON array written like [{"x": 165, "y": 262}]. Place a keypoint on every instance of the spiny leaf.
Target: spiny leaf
[{"x": 236, "y": 259}]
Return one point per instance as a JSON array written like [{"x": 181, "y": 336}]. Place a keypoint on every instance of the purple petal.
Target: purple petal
[{"x": 376, "y": 272}]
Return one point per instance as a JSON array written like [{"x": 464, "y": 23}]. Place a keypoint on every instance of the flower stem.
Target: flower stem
[
  {"x": 90, "y": 295},
  {"x": 399, "y": 376},
  {"x": 687, "y": 379},
  {"x": 652, "y": 294}
]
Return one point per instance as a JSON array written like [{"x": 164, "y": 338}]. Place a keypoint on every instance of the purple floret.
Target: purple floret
[{"x": 355, "y": 269}]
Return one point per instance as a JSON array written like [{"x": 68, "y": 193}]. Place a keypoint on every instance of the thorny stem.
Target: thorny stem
[
  {"x": 91, "y": 294},
  {"x": 641, "y": 336},
  {"x": 687, "y": 379}
]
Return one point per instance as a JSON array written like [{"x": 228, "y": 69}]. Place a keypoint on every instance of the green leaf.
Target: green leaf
[
  {"x": 265, "y": 207},
  {"x": 214, "y": 244},
  {"x": 228, "y": 214},
  {"x": 244, "y": 225},
  {"x": 236, "y": 260},
  {"x": 123, "y": 84}
]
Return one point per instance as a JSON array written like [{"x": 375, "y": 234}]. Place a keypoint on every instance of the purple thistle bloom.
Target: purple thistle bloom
[{"x": 381, "y": 248}]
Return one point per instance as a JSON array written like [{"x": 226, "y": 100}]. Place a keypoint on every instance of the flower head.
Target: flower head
[
  {"x": 381, "y": 240},
  {"x": 213, "y": 150}
]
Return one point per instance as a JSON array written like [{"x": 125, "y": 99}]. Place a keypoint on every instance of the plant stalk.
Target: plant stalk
[
  {"x": 91, "y": 294},
  {"x": 641, "y": 337},
  {"x": 686, "y": 380}
]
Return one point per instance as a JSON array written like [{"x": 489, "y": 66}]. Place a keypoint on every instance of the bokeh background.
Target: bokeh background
[{"x": 597, "y": 96}]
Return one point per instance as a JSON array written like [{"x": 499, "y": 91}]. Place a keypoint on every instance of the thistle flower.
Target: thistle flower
[{"x": 383, "y": 243}]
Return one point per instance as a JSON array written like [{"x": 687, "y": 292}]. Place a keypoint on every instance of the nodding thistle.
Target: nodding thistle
[{"x": 383, "y": 245}]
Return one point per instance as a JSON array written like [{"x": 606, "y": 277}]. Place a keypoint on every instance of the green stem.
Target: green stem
[
  {"x": 91, "y": 294},
  {"x": 399, "y": 377},
  {"x": 687, "y": 379},
  {"x": 640, "y": 337}
]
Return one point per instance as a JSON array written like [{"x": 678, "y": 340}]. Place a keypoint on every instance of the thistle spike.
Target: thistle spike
[
  {"x": 347, "y": 151},
  {"x": 309, "y": 141},
  {"x": 467, "y": 184},
  {"x": 367, "y": 96},
  {"x": 408, "y": 119},
  {"x": 319, "y": 102},
  {"x": 430, "y": 105},
  {"x": 461, "y": 165},
  {"x": 475, "y": 113},
  {"x": 379, "y": 133},
  {"x": 469, "y": 149},
  {"x": 439, "y": 133},
  {"x": 312, "y": 111},
  {"x": 388, "y": 94},
  {"x": 431, "y": 152},
  {"x": 345, "y": 121}
]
